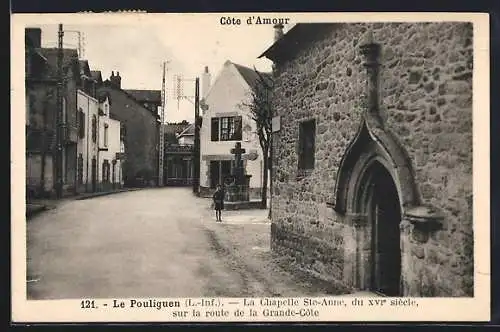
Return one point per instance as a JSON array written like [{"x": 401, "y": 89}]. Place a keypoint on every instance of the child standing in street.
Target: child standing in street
[{"x": 218, "y": 198}]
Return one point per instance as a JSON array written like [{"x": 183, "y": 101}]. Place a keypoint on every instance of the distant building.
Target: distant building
[
  {"x": 140, "y": 128},
  {"x": 179, "y": 148},
  {"x": 99, "y": 146},
  {"x": 186, "y": 137},
  {"x": 226, "y": 119},
  {"x": 111, "y": 146},
  {"x": 41, "y": 115},
  {"x": 88, "y": 148},
  {"x": 372, "y": 158},
  {"x": 150, "y": 99}
]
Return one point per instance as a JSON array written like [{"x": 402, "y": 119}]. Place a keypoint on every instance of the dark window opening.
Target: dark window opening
[
  {"x": 226, "y": 128},
  {"x": 80, "y": 169},
  {"x": 81, "y": 124},
  {"x": 307, "y": 134},
  {"x": 94, "y": 129},
  {"x": 214, "y": 129},
  {"x": 220, "y": 170},
  {"x": 105, "y": 171}
]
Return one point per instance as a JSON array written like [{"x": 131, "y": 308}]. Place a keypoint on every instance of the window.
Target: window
[
  {"x": 106, "y": 135},
  {"x": 80, "y": 169},
  {"x": 64, "y": 113},
  {"x": 307, "y": 133},
  {"x": 215, "y": 129},
  {"x": 94, "y": 128},
  {"x": 105, "y": 170},
  {"x": 226, "y": 128},
  {"x": 81, "y": 123}
]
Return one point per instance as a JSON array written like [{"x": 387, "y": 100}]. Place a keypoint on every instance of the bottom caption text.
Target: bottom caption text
[{"x": 246, "y": 308}]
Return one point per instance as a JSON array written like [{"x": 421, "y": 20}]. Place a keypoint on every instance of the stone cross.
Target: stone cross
[{"x": 238, "y": 167}]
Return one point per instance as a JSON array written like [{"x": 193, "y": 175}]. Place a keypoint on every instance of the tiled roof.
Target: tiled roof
[
  {"x": 70, "y": 58},
  {"x": 250, "y": 75},
  {"x": 296, "y": 38},
  {"x": 85, "y": 68},
  {"x": 102, "y": 95},
  {"x": 107, "y": 83},
  {"x": 175, "y": 128},
  {"x": 188, "y": 131},
  {"x": 150, "y": 96},
  {"x": 96, "y": 75}
]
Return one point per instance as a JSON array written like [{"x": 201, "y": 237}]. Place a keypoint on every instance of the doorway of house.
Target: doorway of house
[
  {"x": 219, "y": 171},
  {"x": 94, "y": 174},
  {"x": 384, "y": 213}
]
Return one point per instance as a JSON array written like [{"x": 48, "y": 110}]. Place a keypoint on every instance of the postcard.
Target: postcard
[{"x": 250, "y": 167}]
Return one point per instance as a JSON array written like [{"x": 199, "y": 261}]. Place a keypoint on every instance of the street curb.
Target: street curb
[
  {"x": 98, "y": 194},
  {"x": 31, "y": 212}
]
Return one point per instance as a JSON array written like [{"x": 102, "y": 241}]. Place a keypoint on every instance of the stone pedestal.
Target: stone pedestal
[{"x": 238, "y": 192}]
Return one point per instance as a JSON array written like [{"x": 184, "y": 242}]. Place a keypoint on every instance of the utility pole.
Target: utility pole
[
  {"x": 59, "y": 116},
  {"x": 81, "y": 42},
  {"x": 161, "y": 149},
  {"x": 178, "y": 90},
  {"x": 196, "y": 182}
]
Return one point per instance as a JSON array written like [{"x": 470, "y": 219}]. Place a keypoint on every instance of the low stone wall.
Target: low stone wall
[
  {"x": 208, "y": 192},
  {"x": 320, "y": 255}
]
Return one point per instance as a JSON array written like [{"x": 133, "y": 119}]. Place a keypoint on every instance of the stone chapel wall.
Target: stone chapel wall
[{"x": 425, "y": 101}]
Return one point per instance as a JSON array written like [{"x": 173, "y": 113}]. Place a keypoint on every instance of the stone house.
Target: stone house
[
  {"x": 140, "y": 129},
  {"x": 41, "y": 116},
  {"x": 226, "y": 119},
  {"x": 372, "y": 160}
]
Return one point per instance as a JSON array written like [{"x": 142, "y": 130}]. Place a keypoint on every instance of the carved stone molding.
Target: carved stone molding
[{"x": 425, "y": 220}]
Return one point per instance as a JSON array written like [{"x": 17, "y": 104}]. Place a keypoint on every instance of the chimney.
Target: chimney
[
  {"x": 278, "y": 31},
  {"x": 205, "y": 82},
  {"x": 116, "y": 79},
  {"x": 34, "y": 35}
]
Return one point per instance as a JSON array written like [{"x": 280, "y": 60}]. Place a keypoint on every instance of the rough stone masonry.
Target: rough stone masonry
[{"x": 424, "y": 115}]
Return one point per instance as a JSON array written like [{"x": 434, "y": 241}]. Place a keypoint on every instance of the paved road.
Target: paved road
[{"x": 160, "y": 242}]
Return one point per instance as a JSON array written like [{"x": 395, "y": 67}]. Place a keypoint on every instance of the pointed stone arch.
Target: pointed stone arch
[{"x": 373, "y": 143}]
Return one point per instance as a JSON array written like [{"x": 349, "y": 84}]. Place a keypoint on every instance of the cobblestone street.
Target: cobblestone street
[{"x": 154, "y": 242}]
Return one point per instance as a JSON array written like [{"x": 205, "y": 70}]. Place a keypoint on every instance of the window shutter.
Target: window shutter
[
  {"x": 215, "y": 129},
  {"x": 237, "y": 128},
  {"x": 82, "y": 124}
]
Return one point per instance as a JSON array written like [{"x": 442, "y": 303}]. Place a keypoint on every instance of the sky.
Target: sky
[{"x": 188, "y": 44}]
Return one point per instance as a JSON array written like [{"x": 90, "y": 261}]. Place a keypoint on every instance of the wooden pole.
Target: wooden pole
[
  {"x": 59, "y": 117},
  {"x": 197, "y": 124}
]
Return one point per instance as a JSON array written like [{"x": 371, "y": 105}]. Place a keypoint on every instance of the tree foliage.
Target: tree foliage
[{"x": 260, "y": 106}]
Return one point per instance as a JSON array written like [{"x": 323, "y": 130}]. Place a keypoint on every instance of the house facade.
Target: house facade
[
  {"x": 140, "y": 129},
  {"x": 226, "y": 119},
  {"x": 111, "y": 146},
  {"x": 41, "y": 117},
  {"x": 372, "y": 159},
  {"x": 88, "y": 149},
  {"x": 99, "y": 147},
  {"x": 179, "y": 150}
]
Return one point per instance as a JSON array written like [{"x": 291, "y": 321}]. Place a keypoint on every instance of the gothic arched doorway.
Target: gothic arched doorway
[{"x": 378, "y": 200}]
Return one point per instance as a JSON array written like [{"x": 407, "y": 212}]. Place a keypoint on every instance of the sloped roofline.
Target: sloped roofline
[
  {"x": 184, "y": 132},
  {"x": 108, "y": 83}
]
